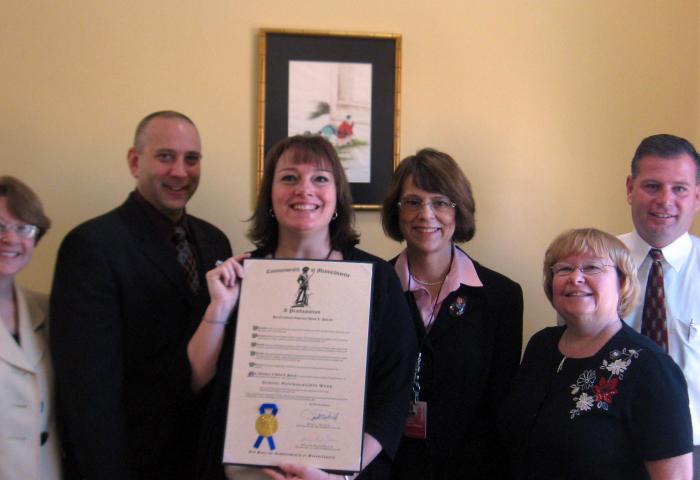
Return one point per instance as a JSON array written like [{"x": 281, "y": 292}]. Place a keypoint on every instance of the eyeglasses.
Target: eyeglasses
[
  {"x": 437, "y": 205},
  {"x": 23, "y": 230},
  {"x": 588, "y": 269}
]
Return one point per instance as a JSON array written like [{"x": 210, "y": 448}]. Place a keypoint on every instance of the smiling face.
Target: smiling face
[
  {"x": 425, "y": 231},
  {"x": 167, "y": 164},
  {"x": 15, "y": 251},
  {"x": 664, "y": 198},
  {"x": 303, "y": 196},
  {"x": 593, "y": 298}
]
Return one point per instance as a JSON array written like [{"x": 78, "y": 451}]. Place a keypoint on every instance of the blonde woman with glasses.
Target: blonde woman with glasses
[{"x": 594, "y": 398}]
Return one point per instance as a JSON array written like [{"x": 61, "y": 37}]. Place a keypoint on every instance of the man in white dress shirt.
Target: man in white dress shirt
[{"x": 663, "y": 191}]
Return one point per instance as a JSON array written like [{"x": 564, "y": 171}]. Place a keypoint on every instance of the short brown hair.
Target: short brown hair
[
  {"x": 24, "y": 204},
  {"x": 303, "y": 149},
  {"x": 432, "y": 171},
  {"x": 667, "y": 146},
  {"x": 602, "y": 244}
]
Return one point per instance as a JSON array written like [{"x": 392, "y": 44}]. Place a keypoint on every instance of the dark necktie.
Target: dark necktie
[
  {"x": 654, "y": 314},
  {"x": 186, "y": 258}
]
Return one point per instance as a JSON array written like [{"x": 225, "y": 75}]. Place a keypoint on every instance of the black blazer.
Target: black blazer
[
  {"x": 468, "y": 362},
  {"x": 122, "y": 314}
]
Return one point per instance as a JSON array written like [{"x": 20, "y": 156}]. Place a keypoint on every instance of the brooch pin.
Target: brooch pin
[{"x": 458, "y": 306}]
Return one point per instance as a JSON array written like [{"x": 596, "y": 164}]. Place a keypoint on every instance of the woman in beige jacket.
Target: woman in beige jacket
[{"x": 29, "y": 447}]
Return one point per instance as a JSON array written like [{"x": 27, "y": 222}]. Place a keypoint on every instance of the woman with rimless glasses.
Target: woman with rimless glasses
[
  {"x": 29, "y": 447},
  {"x": 468, "y": 322},
  {"x": 594, "y": 398}
]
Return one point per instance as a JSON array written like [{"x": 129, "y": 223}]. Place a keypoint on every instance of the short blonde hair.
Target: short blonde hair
[{"x": 602, "y": 244}]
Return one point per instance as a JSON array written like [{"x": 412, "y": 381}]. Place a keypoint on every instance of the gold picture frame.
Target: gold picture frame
[{"x": 343, "y": 85}]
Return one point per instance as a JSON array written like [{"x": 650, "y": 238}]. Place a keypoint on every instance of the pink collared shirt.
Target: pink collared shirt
[{"x": 462, "y": 271}]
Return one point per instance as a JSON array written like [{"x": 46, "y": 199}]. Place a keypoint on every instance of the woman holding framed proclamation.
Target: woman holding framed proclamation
[
  {"x": 304, "y": 211},
  {"x": 468, "y": 320}
]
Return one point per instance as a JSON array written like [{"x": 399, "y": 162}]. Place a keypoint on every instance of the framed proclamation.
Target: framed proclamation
[{"x": 299, "y": 365}]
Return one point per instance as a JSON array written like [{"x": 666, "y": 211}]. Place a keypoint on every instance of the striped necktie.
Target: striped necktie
[
  {"x": 654, "y": 314},
  {"x": 186, "y": 258}
]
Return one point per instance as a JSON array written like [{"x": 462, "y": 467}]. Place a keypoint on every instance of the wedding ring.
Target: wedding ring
[{"x": 218, "y": 262}]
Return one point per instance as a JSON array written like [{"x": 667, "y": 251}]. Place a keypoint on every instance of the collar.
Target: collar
[
  {"x": 675, "y": 253},
  {"x": 165, "y": 226},
  {"x": 32, "y": 348},
  {"x": 462, "y": 272}
]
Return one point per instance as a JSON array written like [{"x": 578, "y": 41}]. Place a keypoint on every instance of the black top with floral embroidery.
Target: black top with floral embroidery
[{"x": 596, "y": 417}]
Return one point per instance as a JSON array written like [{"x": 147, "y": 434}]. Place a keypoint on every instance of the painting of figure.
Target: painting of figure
[{"x": 334, "y": 99}]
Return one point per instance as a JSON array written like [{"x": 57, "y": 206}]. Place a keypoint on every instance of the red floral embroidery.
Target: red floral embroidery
[
  {"x": 588, "y": 395},
  {"x": 605, "y": 389}
]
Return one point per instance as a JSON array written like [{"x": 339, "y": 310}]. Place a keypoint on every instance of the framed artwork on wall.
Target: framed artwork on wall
[{"x": 344, "y": 86}]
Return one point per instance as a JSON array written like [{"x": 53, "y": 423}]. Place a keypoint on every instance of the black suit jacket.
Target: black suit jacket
[
  {"x": 468, "y": 362},
  {"x": 122, "y": 314}
]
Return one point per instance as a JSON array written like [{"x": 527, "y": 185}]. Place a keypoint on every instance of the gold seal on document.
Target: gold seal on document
[{"x": 266, "y": 425}]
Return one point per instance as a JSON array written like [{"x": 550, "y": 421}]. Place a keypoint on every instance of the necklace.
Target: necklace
[
  {"x": 563, "y": 348},
  {"x": 431, "y": 284},
  {"x": 561, "y": 364},
  {"x": 428, "y": 284},
  {"x": 437, "y": 297}
]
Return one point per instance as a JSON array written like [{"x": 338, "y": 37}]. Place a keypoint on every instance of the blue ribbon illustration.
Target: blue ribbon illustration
[{"x": 266, "y": 425}]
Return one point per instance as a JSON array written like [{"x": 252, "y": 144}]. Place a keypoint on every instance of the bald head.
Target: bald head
[
  {"x": 140, "y": 134},
  {"x": 165, "y": 161}
]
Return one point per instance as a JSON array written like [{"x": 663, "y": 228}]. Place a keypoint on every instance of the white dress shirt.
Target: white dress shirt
[{"x": 681, "y": 266}]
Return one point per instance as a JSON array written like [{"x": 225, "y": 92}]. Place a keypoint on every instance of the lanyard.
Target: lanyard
[{"x": 419, "y": 361}]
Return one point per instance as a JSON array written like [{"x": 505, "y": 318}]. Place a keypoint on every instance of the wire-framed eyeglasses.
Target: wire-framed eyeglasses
[
  {"x": 23, "y": 230},
  {"x": 589, "y": 269},
  {"x": 437, "y": 205}
]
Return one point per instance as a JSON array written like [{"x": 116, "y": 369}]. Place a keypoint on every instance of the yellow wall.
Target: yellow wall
[
  {"x": 541, "y": 102},
  {"x": 696, "y": 225}
]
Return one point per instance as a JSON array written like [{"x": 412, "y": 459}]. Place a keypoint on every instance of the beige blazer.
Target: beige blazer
[{"x": 26, "y": 396}]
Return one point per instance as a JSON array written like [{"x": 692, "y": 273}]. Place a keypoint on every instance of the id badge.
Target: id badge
[{"x": 417, "y": 422}]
